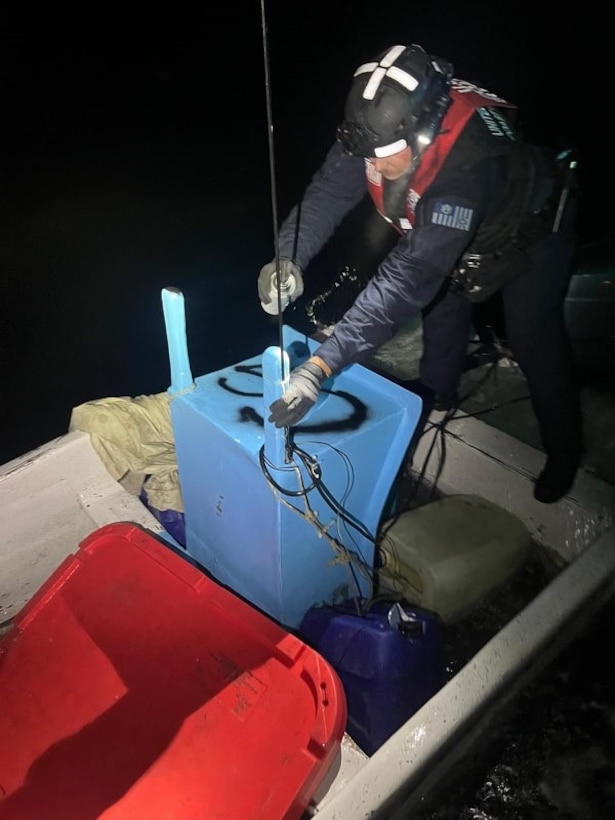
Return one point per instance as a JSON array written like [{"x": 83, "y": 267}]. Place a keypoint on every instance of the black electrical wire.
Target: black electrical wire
[
  {"x": 440, "y": 426},
  {"x": 313, "y": 469},
  {"x": 265, "y": 464}
]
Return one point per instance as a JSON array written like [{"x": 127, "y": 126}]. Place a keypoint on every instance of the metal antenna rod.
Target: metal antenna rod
[{"x": 272, "y": 177}]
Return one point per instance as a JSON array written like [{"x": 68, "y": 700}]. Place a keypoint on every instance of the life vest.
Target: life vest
[{"x": 466, "y": 99}]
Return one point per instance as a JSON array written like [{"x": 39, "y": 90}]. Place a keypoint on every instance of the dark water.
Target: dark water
[
  {"x": 139, "y": 159},
  {"x": 552, "y": 753}
]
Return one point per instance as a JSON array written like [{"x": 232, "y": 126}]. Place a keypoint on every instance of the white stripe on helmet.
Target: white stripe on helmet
[
  {"x": 403, "y": 78},
  {"x": 373, "y": 84},
  {"x": 389, "y": 150},
  {"x": 365, "y": 67},
  {"x": 386, "y": 68},
  {"x": 391, "y": 55}
]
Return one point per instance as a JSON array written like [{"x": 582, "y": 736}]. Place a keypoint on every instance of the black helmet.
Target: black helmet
[{"x": 397, "y": 100}]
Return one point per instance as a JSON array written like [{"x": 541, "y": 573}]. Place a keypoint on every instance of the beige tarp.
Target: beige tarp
[{"x": 134, "y": 439}]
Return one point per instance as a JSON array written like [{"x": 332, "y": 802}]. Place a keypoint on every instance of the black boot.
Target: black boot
[
  {"x": 431, "y": 400},
  {"x": 484, "y": 354},
  {"x": 556, "y": 478}
]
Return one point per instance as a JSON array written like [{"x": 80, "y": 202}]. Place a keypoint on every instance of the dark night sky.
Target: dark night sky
[
  {"x": 210, "y": 63},
  {"x": 138, "y": 157}
]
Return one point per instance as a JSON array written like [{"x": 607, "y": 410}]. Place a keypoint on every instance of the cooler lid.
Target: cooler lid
[{"x": 133, "y": 685}]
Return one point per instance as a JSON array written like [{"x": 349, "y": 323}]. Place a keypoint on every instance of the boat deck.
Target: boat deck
[
  {"x": 429, "y": 744},
  {"x": 497, "y": 394}
]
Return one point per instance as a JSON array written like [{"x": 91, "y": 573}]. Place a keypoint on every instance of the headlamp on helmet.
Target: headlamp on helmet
[{"x": 395, "y": 101}]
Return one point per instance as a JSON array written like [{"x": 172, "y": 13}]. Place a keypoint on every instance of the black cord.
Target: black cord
[
  {"x": 329, "y": 499},
  {"x": 440, "y": 428},
  {"x": 312, "y": 467},
  {"x": 265, "y": 464}
]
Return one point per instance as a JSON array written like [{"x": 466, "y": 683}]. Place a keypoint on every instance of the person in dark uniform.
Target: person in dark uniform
[{"x": 477, "y": 209}]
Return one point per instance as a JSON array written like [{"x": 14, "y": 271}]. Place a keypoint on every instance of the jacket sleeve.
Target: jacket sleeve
[
  {"x": 411, "y": 275},
  {"x": 334, "y": 190}
]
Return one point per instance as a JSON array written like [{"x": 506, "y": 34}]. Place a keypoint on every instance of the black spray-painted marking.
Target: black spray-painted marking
[
  {"x": 249, "y": 415},
  {"x": 252, "y": 369},
  {"x": 352, "y": 422}
]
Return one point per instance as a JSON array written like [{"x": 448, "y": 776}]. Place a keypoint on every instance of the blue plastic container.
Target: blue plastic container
[
  {"x": 278, "y": 550},
  {"x": 390, "y": 662}
]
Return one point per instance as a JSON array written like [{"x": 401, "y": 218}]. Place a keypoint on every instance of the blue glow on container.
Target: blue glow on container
[
  {"x": 175, "y": 323},
  {"x": 266, "y": 545}
]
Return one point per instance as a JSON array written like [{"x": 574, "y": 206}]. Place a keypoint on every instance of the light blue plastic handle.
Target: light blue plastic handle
[
  {"x": 175, "y": 322},
  {"x": 273, "y": 387}
]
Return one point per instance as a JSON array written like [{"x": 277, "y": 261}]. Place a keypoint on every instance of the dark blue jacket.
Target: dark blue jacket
[{"x": 474, "y": 177}]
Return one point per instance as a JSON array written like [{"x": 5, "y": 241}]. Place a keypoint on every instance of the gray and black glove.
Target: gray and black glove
[
  {"x": 291, "y": 285},
  {"x": 301, "y": 396}
]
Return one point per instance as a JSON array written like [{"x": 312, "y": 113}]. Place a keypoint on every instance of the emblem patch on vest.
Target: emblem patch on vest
[
  {"x": 412, "y": 200},
  {"x": 372, "y": 174},
  {"x": 452, "y": 216}
]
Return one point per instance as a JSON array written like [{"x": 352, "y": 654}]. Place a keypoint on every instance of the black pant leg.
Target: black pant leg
[
  {"x": 533, "y": 305},
  {"x": 446, "y": 332}
]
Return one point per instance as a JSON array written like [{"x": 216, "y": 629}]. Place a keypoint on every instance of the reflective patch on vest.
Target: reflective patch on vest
[
  {"x": 496, "y": 123},
  {"x": 452, "y": 216},
  {"x": 412, "y": 200},
  {"x": 464, "y": 87},
  {"x": 372, "y": 175}
]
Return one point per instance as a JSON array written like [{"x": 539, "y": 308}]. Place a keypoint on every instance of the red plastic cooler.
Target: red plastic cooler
[{"x": 132, "y": 685}]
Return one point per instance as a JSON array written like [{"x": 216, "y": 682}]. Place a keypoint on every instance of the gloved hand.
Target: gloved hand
[
  {"x": 291, "y": 285},
  {"x": 302, "y": 393}
]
